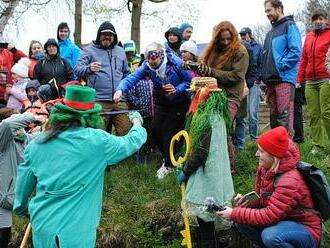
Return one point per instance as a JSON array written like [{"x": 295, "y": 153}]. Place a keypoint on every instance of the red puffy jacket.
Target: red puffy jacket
[
  {"x": 7, "y": 60},
  {"x": 312, "y": 64},
  {"x": 290, "y": 192}
]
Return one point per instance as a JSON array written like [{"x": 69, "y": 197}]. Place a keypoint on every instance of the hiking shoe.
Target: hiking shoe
[{"x": 163, "y": 171}]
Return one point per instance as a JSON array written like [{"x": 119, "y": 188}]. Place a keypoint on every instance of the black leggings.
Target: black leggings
[
  {"x": 207, "y": 234},
  {"x": 5, "y": 236},
  {"x": 168, "y": 120}
]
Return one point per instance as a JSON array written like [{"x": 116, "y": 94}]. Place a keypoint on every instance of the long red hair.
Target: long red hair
[{"x": 211, "y": 55}]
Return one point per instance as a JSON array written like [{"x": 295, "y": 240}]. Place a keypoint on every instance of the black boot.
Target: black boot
[{"x": 207, "y": 234}]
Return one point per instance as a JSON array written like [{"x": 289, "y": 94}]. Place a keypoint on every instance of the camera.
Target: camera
[
  {"x": 211, "y": 205},
  {"x": 193, "y": 66}
]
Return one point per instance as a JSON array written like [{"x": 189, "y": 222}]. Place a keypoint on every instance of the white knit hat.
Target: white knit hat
[
  {"x": 189, "y": 46},
  {"x": 21, "y": 68}
]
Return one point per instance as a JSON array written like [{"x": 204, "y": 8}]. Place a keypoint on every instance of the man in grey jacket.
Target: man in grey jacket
[{"x": 104, "y": 65}]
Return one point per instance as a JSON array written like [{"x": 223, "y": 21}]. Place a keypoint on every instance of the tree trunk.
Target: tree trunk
[
  {"x": 136, "y": 19},
  {"x": 6, "y": 14},
  {"x": 77, "y": 22}
]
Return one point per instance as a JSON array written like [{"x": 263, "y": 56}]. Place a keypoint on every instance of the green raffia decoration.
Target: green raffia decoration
[
  {"x": 93, "y": 120},
  {"x": 198, "y": 123}
]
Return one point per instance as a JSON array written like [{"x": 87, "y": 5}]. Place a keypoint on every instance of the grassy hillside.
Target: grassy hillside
[{"x": 141, "y": 211}]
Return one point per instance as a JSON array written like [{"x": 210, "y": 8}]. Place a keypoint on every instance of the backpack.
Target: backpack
[{"x": 318, "y": 186}]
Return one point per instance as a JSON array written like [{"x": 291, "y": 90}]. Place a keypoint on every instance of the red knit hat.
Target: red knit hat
[{"x": 275, "y": 141}]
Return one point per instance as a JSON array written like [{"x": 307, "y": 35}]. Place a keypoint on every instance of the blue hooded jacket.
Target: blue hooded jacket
[
  {"x": 68, "y": 50},
  {"x": 175, "y": 75},
  {"x": 282, "y": 52}
]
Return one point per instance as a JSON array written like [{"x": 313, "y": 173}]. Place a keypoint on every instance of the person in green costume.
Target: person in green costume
[
  {"x": 65, "y": 168},
  {"x": 132, "y": 55},
  {"x": 207, "y": 170}
]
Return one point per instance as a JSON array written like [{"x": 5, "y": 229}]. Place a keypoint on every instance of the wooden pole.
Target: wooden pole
[{"x": 26, "y": 236}]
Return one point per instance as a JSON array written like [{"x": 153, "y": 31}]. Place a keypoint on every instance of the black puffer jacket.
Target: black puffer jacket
[{"x": 53, "y": 67}]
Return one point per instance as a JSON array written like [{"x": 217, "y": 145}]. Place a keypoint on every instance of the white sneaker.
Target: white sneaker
[{"x": 162, "y": 171}]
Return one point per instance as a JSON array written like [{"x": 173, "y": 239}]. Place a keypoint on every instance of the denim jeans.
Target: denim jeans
[
  {"x": 253, "y": 110},
  {"x": 253, "y": 102},
  {"x": 285, "y": 234},
  {"x": 239, "y": 134}
]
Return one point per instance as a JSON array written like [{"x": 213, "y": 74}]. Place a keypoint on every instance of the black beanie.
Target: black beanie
[
  {"x": 49, "y": 42},
  {"x": 176, "y": 31},
  {"x": 108, "y": 27}
]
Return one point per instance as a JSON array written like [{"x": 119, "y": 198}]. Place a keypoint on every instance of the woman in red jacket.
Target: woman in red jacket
[
  {"x": 36, "y": 52},
  {"x": 313, "y": 72},
  {"x": 276, "y": 220}
]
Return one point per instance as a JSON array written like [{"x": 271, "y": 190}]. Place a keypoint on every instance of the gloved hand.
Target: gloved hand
[
  {"x": 180, "y": 176},
  {"x": 135, "y": 115},
  {"x": 204, "y": 70}
]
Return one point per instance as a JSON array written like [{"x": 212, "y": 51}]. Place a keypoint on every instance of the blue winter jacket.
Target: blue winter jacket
[
  {"x": 69, "y": 51},
  {"x": 253, "y": 73},
  {"x": 114, "y": 68},
  {"x": 175, "y": 75},
  {"x": 282, "y": 52}
]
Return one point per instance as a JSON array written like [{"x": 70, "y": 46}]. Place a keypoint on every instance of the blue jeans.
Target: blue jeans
[
  {"x": 284, "y": 234},
  {"x": 253, "y": 101},
  {"x": 253, "y": 110},
  {"x": 239, "y": 134}
]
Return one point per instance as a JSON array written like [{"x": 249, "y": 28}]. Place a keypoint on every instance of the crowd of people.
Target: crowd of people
[{"x": 62, "y": 102}]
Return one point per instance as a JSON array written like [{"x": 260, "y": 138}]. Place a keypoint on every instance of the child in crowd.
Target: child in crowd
[
  {"x": 15, "y": 94},
  {"x": 188, "y": 51},
  {"x": 33, "y": 103}
]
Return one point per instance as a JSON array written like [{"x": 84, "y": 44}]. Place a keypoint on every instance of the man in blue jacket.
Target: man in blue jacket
[
  {"x": 68, "y": 50},
  {"x": 252, "y": 78},
  {"x": 170, "y": 84},
  {"x": 281, "y": 56},
  {"x": 104, "y": 65}
]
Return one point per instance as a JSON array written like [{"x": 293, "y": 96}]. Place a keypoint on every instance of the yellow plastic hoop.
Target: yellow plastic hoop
[{"x": 176, "y": 138}]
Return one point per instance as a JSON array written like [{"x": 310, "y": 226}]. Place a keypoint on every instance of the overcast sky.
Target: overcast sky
[{"x": 240, "y": 12}]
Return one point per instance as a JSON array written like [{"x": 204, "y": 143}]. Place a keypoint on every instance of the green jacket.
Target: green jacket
[
  {"x": 67, "y": 174},
  {"x": 231, "y": 76}
]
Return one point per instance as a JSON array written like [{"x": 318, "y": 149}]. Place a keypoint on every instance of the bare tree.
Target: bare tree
[
  {"x": 311, "y": 6},
  {"x": 7, "y": 9},
  {"x": 14, "y": 9},
  {"x": 141, "y": 10},
  {"x": 78, "y": 21},
  {"x": 259, "y": 32}
]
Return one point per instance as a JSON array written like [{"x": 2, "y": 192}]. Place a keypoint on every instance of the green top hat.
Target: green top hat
[{"x": 80, "y": 100}]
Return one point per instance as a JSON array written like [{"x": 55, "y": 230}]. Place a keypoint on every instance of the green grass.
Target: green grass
[{"x": 141, "y": 211}]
